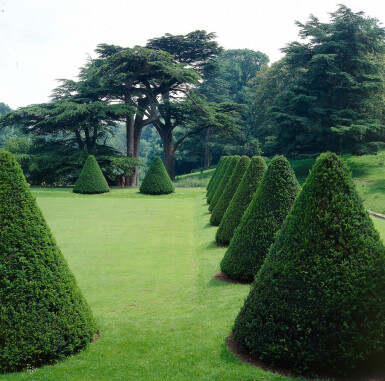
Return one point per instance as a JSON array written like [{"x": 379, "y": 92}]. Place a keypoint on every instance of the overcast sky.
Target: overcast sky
[{"x": 42, "y": 40}]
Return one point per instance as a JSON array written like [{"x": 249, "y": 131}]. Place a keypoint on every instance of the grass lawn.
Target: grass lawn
[{"x": 146, "y": 264}]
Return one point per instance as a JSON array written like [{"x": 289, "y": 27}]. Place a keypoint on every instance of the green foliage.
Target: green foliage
[
  {"x": 91, "y": 179},
  {"x": 241, "y": 200},
  {"x": 261, "y": 221},
  {"x": 217, "y": 180},
  {"x": 212, "y": 180},
  {"x": 318, "y": 303},
  {"x": 229, "y": 191},
  {"x": 157, "y": 181},
  {"x": 43, "y": 315},
  {"x": 338, "y": 82},
  {"x": 223, "y": 181}
]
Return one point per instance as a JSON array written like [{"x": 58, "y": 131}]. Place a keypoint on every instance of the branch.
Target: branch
[{"x": 191, "y": 132}]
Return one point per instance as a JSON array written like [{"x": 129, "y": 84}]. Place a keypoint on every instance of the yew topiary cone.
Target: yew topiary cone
[
  {"x": 215, "y": 173},
  {"x": 229, "y": 191},
  {"x": 43, "y": 315},
  {"x": 233, "y": 161},
  {"x": 262, "y": 219},
  {"x": 218, "y": 178},
  {"x": 241, "y": 200},
  {"x": 318, "y": 303},
  {"x": 157, "y": 181},
  {"x": 91, "y": 179}
]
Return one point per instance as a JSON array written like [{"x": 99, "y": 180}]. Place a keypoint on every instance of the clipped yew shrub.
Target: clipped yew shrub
[
  {"x": 43, "y": 315},
  {"x": 218, "y": 178},
  {"x": 318, "y": 303},
  {"x": 241, "y": 200},
  {"x": 233, "y": 161},
  {"x": 91, "y": 179},
  {"x": 262, "y": 219},
  {"x": 215, "y": 173},
  {"x": 229, "y": 190},
  {"x": 157, "y": 181}
]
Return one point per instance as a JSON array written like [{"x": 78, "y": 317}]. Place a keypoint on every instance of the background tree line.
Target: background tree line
[{"x": 187, "y": 99}]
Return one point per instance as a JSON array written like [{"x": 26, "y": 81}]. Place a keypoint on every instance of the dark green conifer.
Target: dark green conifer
[
  {"x": 91, "y": 179},
  {"x": 262, "y": 219},
  {"x": 215, "y": 173},
  {"x": 43, "y": 315},
  {"x": 218, "y": 178},
  {"x": 157, "y": 181},
  {"x": 318, "y": 303},
  {"x": 224, "y": 180},
  {"x": 229, "y": 191},
  {"x": 241, "y": 200}
]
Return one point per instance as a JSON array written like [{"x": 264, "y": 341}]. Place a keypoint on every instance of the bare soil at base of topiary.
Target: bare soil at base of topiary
[{"x": 222, "y": 277}]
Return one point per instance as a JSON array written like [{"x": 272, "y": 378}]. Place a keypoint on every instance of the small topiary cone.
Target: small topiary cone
[
  {"x": 241, "y": 200},
  {"x": 224, "y": 180},
  {"x": 218, "y": 178},
  {"x": 157, "y": 181},
  {"x": 91, "y": 179},
  {"x": 229, "y": 191},
  {"x": 43, "y": 315},
  {"x": 318, "y": 303},
  {"x": 262, "y": 219}
]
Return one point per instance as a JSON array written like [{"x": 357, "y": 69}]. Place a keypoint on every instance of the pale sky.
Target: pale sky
[{"x": 42, "y": 40}]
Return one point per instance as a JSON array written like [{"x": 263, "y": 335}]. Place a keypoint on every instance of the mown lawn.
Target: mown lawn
[{"x": 146, "y": 266}]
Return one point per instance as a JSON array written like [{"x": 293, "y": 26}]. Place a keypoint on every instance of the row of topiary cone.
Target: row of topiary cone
[{"x": 317, "y": 303}]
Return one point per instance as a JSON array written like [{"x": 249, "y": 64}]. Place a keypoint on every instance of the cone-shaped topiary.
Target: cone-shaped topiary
[
  {"x": 218, "y": 178},
  {"x": 241, "y": 200},
  {"x": 157, "y": 180},
  {"x": 225, "y": 179},
  {"x": 215, "y": 173},
  {"x": 262, "y": 219},
  {"x": 43, "y": 315},
  {"x": 91, "y": 179},
  {"x": 229, "y": 191},
  {"x": 318, "y": 303}
]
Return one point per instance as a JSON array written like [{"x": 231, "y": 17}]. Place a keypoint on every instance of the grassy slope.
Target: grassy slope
[{"x": 146, "y": 266}]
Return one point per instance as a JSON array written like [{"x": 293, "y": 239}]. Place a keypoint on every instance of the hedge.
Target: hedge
[
  {"x": 91, "y": 179},
  {"x": 318, "y": 304},
  {"x": 43, "y": 315},
  {"x": 262, "y": 219},
  {"x": 157, "y": 181},
  {"x": 218, "y": 178},
  {"x": 241, "y": 200},
  {"x": 229, "y": 191},
  {"x": 233, "y": 161}
]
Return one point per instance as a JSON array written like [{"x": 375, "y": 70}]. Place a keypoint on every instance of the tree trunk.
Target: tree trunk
[
  {"x": 130, "y": 135},
  {"x": 207, "y": 150},
  {"x": 168, "y": 153}
]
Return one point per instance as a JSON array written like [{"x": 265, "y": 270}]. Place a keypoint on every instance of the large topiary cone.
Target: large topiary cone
[
  {"x": 157, "y": 180},
  {"x": 218, "y": 178},
  {"x": 215, "y": 173},
  {"x": 229, "y": 191},
  {"x": 224, "y": 180},
  {"x": 262, "y": 219},
  {"x": 241, "y": 200},
  {"x": 91, "y": 179},
  {"x": 318, "y": 303},
  {"x": 43, "y": 315}
]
